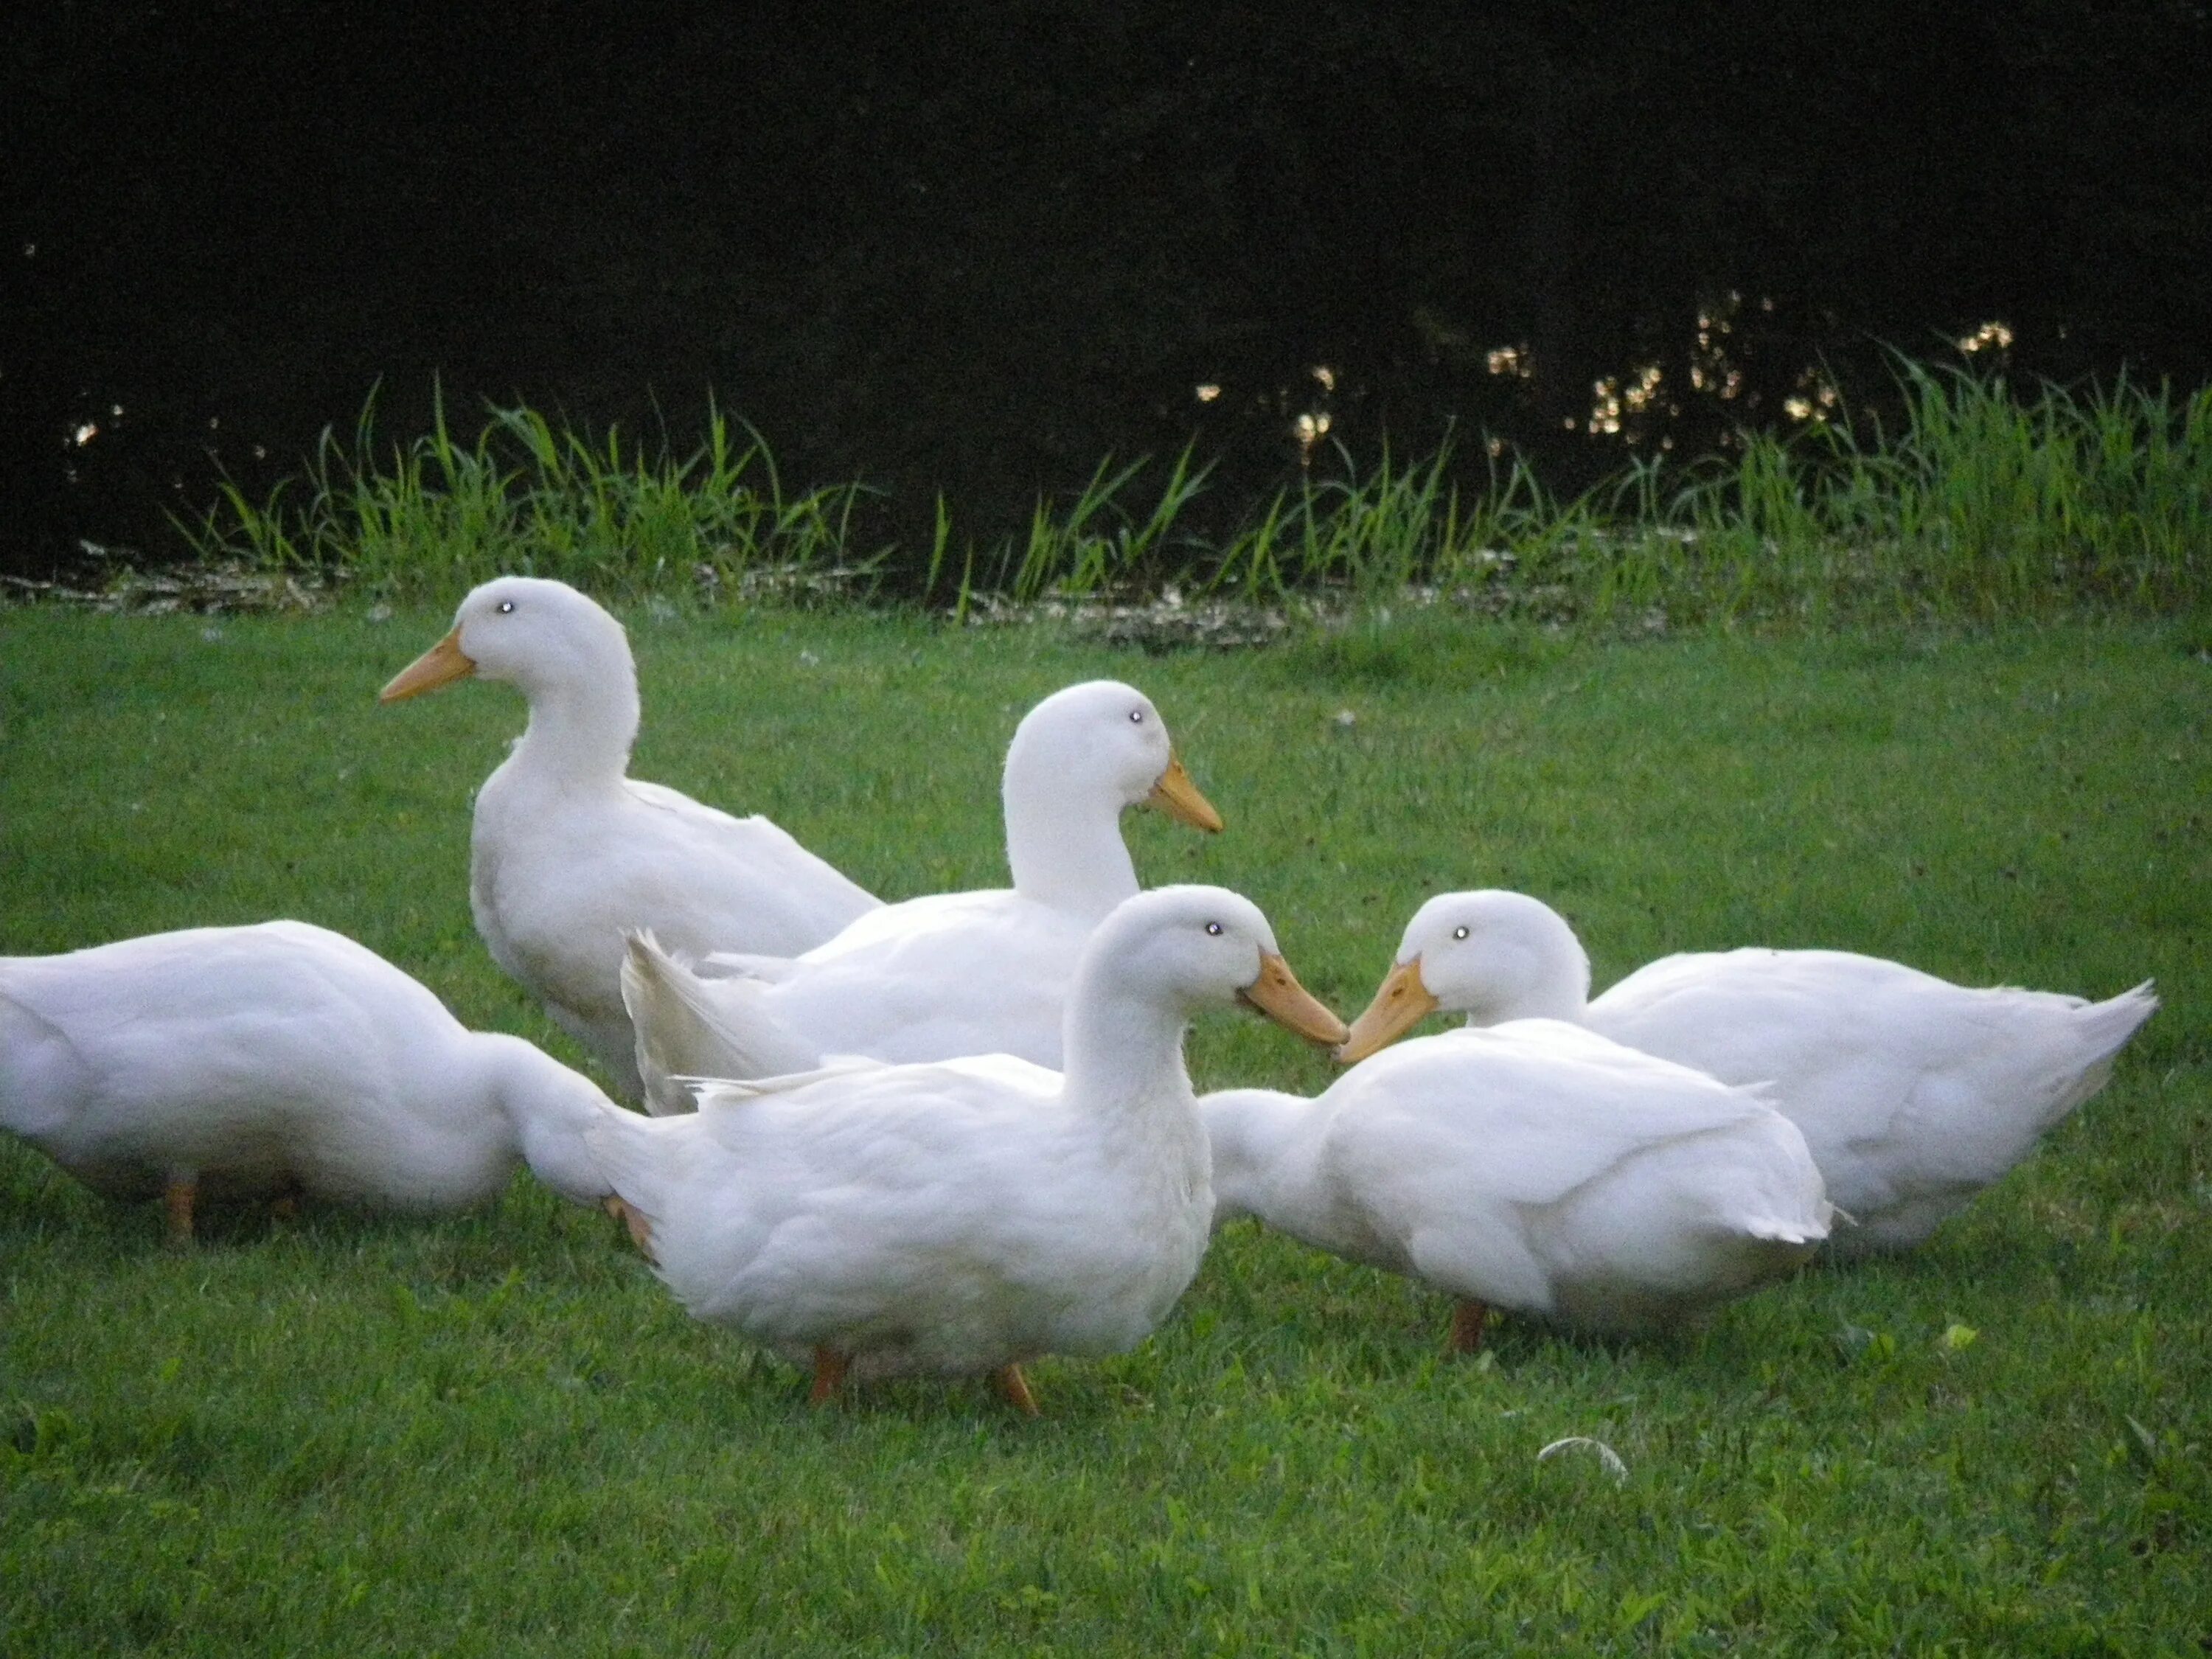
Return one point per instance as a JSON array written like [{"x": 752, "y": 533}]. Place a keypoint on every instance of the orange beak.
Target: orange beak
[
  {"x": 1175, "y": 795},
  {"x": 442, "y": 662},
  {"x": 1278, "y": 994},
  {"x": 1401, "y": 1001}
]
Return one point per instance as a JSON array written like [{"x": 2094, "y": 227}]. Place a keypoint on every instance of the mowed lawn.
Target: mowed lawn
[{"x": 497, "y": 1435}]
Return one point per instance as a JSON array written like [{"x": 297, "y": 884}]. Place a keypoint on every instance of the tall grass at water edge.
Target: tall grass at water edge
[
  {"x": 1981, "y": 504},
  {"x": 434, "y": 516}
]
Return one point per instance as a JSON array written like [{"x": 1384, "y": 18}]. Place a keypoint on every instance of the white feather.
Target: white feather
[
  {"x": 264, "y": 1059},
  {"x": 569, "y": 855},
  {"x": 1535, "y": 1167},
  {"x": 963, "y": 1215},
  {"x": 1913, "y": 1093},
  {"x": 946, "y": 974}
]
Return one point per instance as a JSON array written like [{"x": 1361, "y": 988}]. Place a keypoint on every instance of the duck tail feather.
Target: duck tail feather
[
  {"x": 2108, "y": 1024},
  {"x": 687, "y": 1028},
  {"x": 1799, "y": 1229}
]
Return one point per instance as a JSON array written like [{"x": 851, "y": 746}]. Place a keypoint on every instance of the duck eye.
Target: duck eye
[
  {"x": 1213, "y": 927},
  {"x": 1136, "y": 717},
  {"x": 506, "y": 607},
  {"x": 1459, "y": 933}
]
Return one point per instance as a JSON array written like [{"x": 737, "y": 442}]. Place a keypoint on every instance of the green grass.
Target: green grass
[
  {"x": 497, "y": 1434},
  {"x": 437, "y": 515},
  {"x": 1984, "y": 504}
]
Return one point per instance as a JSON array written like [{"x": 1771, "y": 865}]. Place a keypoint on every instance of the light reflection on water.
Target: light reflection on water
[
  {"x": 1637, "y": 406},
  {"x": 1633, "y": 406}
]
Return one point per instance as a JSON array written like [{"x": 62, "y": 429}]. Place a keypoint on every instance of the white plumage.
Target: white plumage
[
  {"x": 265, "y": 1060},
  {"x": 963, "y": 1216},
  {"x": 1913, "y": 1093},
  {"x": 1536, "y": 1167},
  {"x": 569, "y": 855},
  {"x": 951, "y": 973}
]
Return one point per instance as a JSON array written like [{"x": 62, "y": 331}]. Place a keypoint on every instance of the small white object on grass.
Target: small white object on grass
[{"x": 1606, "y": 1454}]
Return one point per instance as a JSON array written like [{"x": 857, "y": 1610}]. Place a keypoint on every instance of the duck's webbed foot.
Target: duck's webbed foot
[
  {"x": 830, "y": 1368},
  {"x": 177, "y": 1200},
  {"x": 1468, "y": 1317},
  {"x": 1015, "y": 1388}
]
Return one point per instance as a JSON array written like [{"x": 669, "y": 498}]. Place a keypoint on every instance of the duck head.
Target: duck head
[
  {"x": 1105, "y": 736},
  {"x": 1078, "y": 760},
  {"x": 1491, "y": 954},
  {"x": 537, "y": 633},
  {"x": 1191, "y": 947}
]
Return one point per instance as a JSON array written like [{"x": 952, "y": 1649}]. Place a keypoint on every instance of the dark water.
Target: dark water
[{"x": 977, "y": 253}]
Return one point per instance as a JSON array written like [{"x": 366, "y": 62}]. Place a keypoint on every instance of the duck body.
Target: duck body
[
  {"x": 640, "y": 857},
  {"x": 960, "y": 1216},
  {"x": 1534, "y": 1167},
  {"x": 949, "y": 974},
  {"x": 1912, "y": 1092},
  {"x": 265, "y": 1060},
  {"x": 950, "y": 1219},
  {"x": 567, "y": 854},
  {"x": 940, "y": 977}
]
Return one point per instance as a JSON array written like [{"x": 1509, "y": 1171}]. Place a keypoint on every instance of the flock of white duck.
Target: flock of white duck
[{"x": 952, "y": 1134}]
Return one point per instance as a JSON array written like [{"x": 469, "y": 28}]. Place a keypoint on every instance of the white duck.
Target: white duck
[
  {"x": 951, "y": 973},
  {"x": 273, "y": 1060},
  {"x": 569, "y": 855},
  {"x": 1536, "y": 1168},
  {"x": 1913, "y": 1093},
  {"x": 964, "y": 1216}
]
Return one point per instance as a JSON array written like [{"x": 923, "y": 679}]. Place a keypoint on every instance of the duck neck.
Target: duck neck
[
  {"x": 1064, "y": 842},
  {"x": 582, "y": 722},
  {"x": 1545, "y": 975},
  {"x": 550, "y": 1108},
  {"x": 1255, "y": 1135},
  {"x": 1123, "y": 1046},
  {"x": 1561, "y": 999}
]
